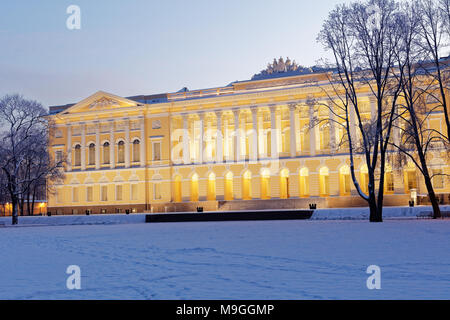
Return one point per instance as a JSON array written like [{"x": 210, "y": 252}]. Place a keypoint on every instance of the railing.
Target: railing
[{"x": 200, "y": 93}]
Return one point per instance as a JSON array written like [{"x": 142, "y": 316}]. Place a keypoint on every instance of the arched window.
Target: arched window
[
  {"x": 388, "y": 180},
  {"x": 121, "y": 152},
  {"x": 211, "y": 187},
  {"x": 410, "y": 178},
  {"x": 91, "y": 157},
  {"x": 265, "y": 181},
  {"x": 247, "y": 185},
  {"x": 304, "y": 182},
  {"x": 364, "y": 179},
  {"x": 136, "y": 150},
  {"x": 177, "y": 196},
  {"x": 106, "y": 153},
  {"x": 284, "y": 184},
  {"x": 229, "y": 186},
  {"x": 194, "y": 187},
  {"x": 77, "y": 155},
  {"x": 344, "y": 180},
  {"x": 324, "y": 182}
]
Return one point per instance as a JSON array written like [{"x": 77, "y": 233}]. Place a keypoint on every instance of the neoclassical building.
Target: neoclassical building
[{"x": 246, "y": 145}]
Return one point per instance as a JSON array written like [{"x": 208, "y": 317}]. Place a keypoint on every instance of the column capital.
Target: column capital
[
  {"x": 293, "y": 106},
  {"x": 273, "y": 107}
]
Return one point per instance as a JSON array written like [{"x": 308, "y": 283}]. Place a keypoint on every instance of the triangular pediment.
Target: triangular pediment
[{"x": 101, "y": 101}]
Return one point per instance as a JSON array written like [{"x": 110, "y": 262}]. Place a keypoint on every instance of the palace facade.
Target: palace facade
[{"x": 246, "y": 145}]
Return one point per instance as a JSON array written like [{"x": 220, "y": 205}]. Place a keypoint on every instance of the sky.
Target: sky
[{"x": 147, "y": 47}]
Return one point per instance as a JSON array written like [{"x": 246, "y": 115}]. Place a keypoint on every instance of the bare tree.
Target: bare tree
[
  {"x": 364, "y": 56},
  {"x": 24, "y": 137},
  {"x": 417, "y": 140},
  {"x": 435, "y": 33}
]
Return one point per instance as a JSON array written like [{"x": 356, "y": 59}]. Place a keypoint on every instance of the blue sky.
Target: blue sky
[{"x": 144, "y": 47}]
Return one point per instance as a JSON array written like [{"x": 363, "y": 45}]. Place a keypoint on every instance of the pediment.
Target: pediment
[{"x": 101, "y": 101}]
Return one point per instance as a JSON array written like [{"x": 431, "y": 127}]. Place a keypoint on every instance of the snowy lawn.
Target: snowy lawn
[{"x": 228, "y": 260}]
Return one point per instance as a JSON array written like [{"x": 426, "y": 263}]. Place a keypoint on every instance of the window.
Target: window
[
  {"x": 89, "y": 194},
  {"x": 119, "y": 192},
  {"x": 194, "y": 187},
  {"x": 389, "y": 181},
  {"x": 136, "y": 151},
  {"x": 411, "y": 180},
  {"x": 345, "y": 180},
  {"x": 121, "y": 152},
  {"x": 324, "y": 182},
  {"x": 438, "y": 179},
  {"x": 77, "y": 155},
  {"x": 134, "y": 192},
  {"x": 156, "y": 151},
  {"x": 304, "y": 182},
  {"x": 157, "y": 190},
  {"x": 229, "y": 186},
  {"x": 58, "y": 158},
  {"x": 324, "y": 136},
  {"x": 106, "y": 153},
  {"x": 104, "y": 193},
  {"x": 75, "y": 194},
  {"x": 91, "y": 154}
]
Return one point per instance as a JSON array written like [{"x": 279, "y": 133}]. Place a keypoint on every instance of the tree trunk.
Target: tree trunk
[
  {"x": 15, "y": 218},
  {"x": 376, "y": 213},
  {"x": 432, "y": 195}
]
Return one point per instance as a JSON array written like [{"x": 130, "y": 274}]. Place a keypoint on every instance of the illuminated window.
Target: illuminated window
[
  {"x": 304, "y": 182},
  {"x": 136, "y": 151},
  {"x": 265, "y": 184},
  {"x": 121, "y": 152},
  {"x": 229, "y": 186},
  {"x": 194, "y": 187},
  {"x": 77, "y": 155},
  {"x": 91, "y": 154},
  {"x": 389, "y": 181},
  {"x": 284, "y": 184},
  {"x": 345, "y": 182},
  {"x": 211, "y": 186},
  {"x": 324, "y": 178},
  {"x": 247, "y": 185},
  {"x": 106, "y": 153}
]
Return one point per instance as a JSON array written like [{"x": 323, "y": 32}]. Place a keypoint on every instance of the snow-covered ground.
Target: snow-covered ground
[{"x": 221, "y": 260}]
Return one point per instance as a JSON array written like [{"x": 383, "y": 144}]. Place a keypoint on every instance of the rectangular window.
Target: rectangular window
[
  {"x": 75, "y": 194},
  {"x": 119, "y": 193},
  {"x": 58, "y": 158},
  {"x": 89, "y": 194},
  {"x": 156, "y": 151},
  {"x": 134, "y": 192},
  {"x": 157, "y": 191},
  {"x": 438, "y": 179},
  {"x": 104, "y": 193}
]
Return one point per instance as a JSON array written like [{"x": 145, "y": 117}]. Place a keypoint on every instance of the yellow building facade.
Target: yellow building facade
[{"x": 250, "y": 144}]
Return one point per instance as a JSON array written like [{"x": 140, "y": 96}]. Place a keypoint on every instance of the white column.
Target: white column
[
  {"x": 127, "y": 143},
  {"x": 83, "y": 146},
  {"x": 112, "y": 146},
  {"x": 312, "y": 130},
  {"x": 292, "y": 131},
  {"x": 237, "y": 136},
  {"x": 332, "y": 132},
  {"x": 261, "y": 142},
  {"x": 255, "y": 142},
  {"x": 273, "y": 133},
  {"x": 297, "y": 127},
  {"x": 69, "y": 147},
  {"x": 143, "y": 144},
  {"x": 186, "y": 145},
  {"x": 243, "y": 136},
  {"x": 201, "y": 134},
  {"x": 97, "y": 146},
  {"x": 219, "y": 138}
]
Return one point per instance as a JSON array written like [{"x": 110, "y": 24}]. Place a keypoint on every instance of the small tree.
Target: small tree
[{"x": 24, "y": 137}]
